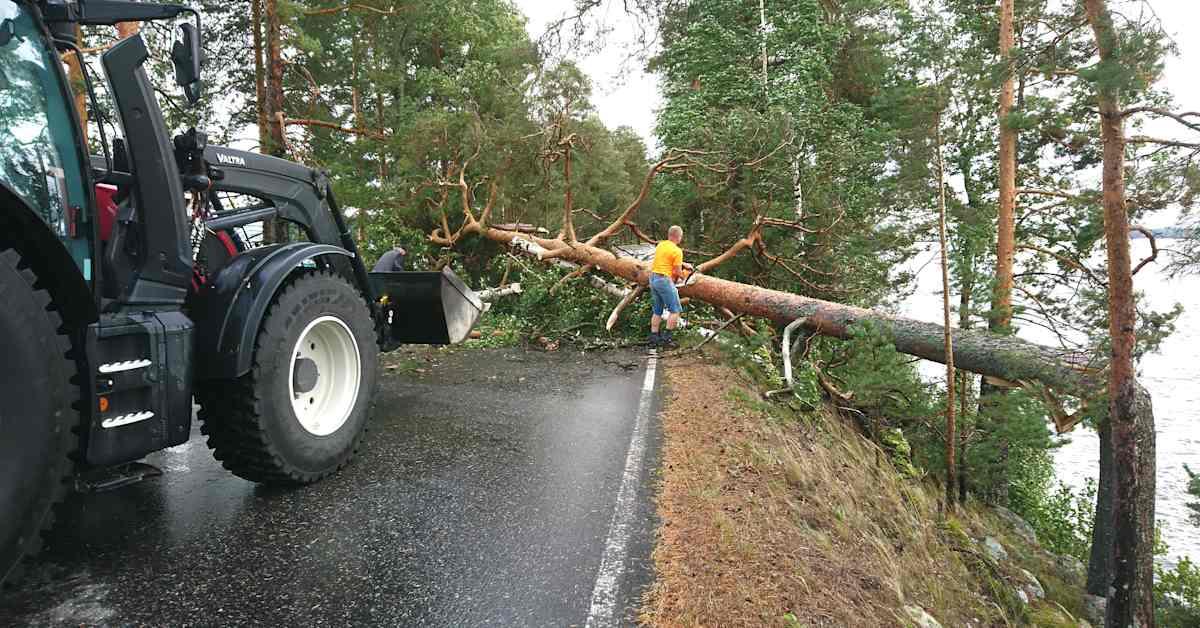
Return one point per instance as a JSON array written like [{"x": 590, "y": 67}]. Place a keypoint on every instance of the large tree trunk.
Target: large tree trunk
[
  {"x": 1005, "y": 357},
  {"x": 1001, "y": 316},
  {"x": 274, "y": 230},
  {"x": 1100, "y": 561},
  {"x": 260, "y": 75},
  {"x": 274, "y": 81},
  {"x": 1132, "y": 600}
]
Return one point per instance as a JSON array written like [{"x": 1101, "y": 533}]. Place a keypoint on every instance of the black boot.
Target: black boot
[
  {"x": 654, "y": 341},
  {"x": 665, "y": 340}
]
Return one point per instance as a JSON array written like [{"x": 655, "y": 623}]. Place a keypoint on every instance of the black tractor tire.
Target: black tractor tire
[
  {"x": 252, "y": 423},
  {"x": 37, "y": 416}
]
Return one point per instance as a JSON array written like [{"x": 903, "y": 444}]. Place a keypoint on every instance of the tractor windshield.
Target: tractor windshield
[{"x": 39, "y": 159}]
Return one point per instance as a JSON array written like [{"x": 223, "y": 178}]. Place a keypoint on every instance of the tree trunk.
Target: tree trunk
[
  {"x": 962, "y": 471},
  {"x": 947, "y": 339},
  {"x": 360, "y": 218},
  {"x": 1100, "y": 561},
  {"x": 1132, "y": 599},
  {"x": 274, "y": 81},
  {"x": 274, "y": 230},
  {"x": 1001, "y": 316},
  {"x": 260, "y": 75}
]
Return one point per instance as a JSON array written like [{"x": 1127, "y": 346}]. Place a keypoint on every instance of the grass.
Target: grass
[{"x": 775, "y": 516}]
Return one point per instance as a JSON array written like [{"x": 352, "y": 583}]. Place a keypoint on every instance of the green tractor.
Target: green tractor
[{"x": 136, "y": 282}]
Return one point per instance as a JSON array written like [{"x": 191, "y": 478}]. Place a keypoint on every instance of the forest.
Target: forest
[{"x": 809, "y": 149}]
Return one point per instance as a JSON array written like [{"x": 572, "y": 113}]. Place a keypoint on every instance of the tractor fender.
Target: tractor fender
[{"x": 229, "y": 309}]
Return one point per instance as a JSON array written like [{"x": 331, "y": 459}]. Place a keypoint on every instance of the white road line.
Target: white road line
[{"x": 604, "y": 610}]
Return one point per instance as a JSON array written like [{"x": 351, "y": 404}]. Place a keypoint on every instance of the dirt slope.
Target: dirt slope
[{"x": 772, "y": 516}]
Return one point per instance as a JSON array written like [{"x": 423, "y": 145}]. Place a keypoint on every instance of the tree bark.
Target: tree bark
[
  {"x": 360, "y": 217},
  {"x": 274, "y": 80},
  {"x": 1132, "y": 599},
  {"x": 1001, "y": 315},
  {"x": 1100, "y": 561},
  {"x": 260, "y": 74},
  {"x": 274, "y": 230},
  {"x": 948, "y": 340}
]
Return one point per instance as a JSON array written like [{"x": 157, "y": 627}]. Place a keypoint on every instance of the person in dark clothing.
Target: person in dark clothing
[{"x": 392, "y": 261}]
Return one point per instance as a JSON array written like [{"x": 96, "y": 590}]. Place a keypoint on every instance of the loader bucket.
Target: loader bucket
[{"x": 428, "y": 308}]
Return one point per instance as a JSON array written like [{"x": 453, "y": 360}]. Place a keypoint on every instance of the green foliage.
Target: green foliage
[
  {"x": 497, "y": 330},
  {"x": 831, "y": 151},
  {"x": 574, "y": 309},
  {"x": 894, "y": 405},
  {"x": 886, "y": 387},
  {"x": 752, "y": 354},
  {"x": 1177, "y": 592},
  {"x": 1010, "y": 448},
  {"x": 900, "y": 453},
  {"x": 1061, "y": 517},
  {"x": 805, "y": 386}
]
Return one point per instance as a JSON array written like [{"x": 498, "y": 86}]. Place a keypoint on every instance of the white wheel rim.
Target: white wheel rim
[{"x": 326, "y": 407}]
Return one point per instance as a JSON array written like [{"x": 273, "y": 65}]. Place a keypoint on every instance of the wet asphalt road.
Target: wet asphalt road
[{"x": 484, "y": 496}]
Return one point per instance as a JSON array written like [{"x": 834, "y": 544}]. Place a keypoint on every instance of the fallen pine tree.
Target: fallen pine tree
[{"x": 1004, "y": 360}]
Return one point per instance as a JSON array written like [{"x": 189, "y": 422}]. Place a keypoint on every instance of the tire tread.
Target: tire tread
[
  {"x": 57, "y": 476},
  {"x": 232, "y": 411}
]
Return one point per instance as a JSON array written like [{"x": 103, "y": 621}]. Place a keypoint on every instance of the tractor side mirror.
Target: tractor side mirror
[{"x": 188, "y": 55}]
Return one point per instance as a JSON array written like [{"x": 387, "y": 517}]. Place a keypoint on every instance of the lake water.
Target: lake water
[{"x": 1172, "y": 376}]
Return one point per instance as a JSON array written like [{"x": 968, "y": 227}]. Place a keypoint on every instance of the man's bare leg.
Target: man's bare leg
[{"x": 656, "y": 323}]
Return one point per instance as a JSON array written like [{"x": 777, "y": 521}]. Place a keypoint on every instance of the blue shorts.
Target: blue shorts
[{"x": 664, "y": 295}]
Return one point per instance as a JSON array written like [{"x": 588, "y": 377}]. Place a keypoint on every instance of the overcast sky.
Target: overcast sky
[
  {"x": 625, "y": 95},
  {"x": 622, "y": 93}
]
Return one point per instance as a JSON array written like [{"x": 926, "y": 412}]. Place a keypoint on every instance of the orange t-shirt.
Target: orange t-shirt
[{"x": 666, "y": 257}]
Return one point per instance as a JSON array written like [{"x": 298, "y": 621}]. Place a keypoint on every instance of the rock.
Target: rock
[
  {"x": 994, "y": 549},
  {"x": 1032, "y": 586},
  {"x": 1094, "y": 607},
  {"x": 1020, "y": 526},
  {"x": 921, "y": 618},
  {"x": 1070, "y": 567}
]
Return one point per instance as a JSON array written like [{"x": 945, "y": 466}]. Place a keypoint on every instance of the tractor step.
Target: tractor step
[
  {"x": 140, "y": 393},
  {"x": 121, "y": 367},
  {"x": 126, "y": 419},
  {"x": 111, "y": 478}
]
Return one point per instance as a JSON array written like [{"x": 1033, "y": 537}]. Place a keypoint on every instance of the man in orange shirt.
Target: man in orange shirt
[{"x": 664, "y": 272}]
